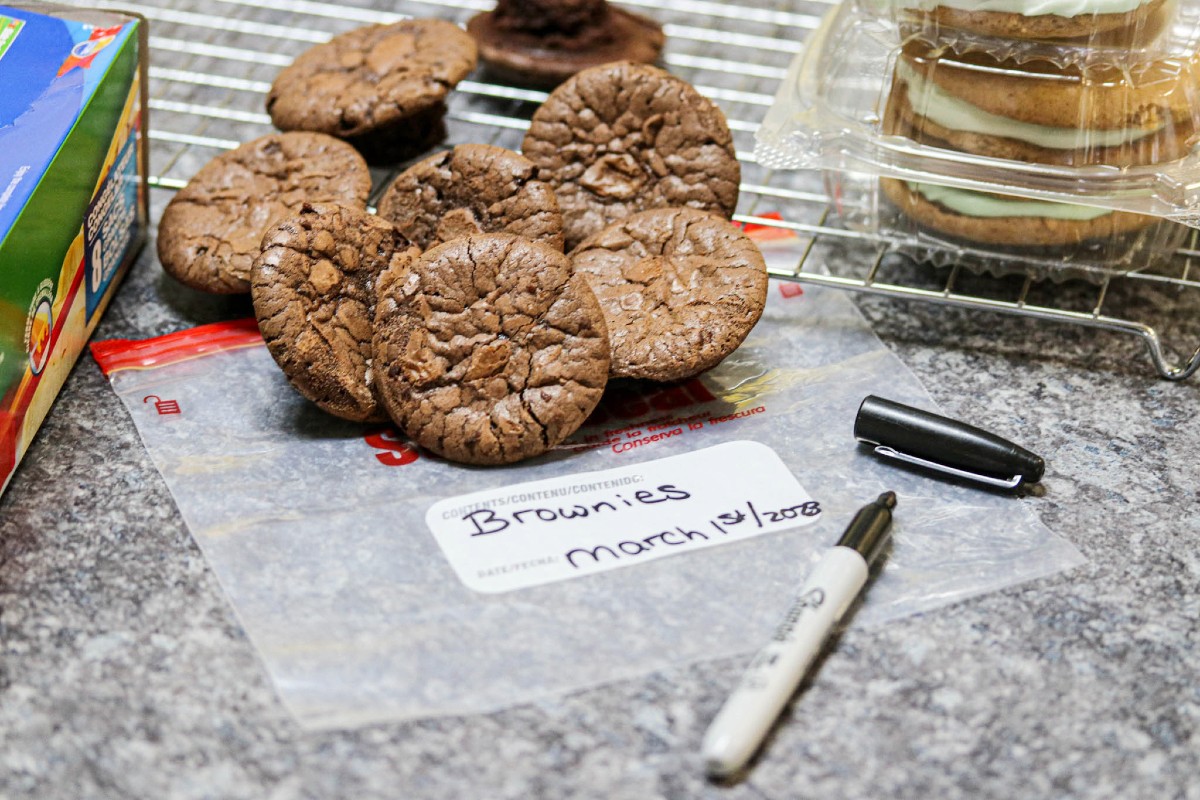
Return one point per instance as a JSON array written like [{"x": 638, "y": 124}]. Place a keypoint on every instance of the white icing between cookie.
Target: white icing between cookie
[
  {"x": 930, "y": 101},
  {"x": 981, "y": 204},
  {"x": 1035, "y": 8}
]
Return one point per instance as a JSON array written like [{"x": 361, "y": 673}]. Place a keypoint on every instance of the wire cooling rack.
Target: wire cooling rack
[{"x": 213, "y": 60}]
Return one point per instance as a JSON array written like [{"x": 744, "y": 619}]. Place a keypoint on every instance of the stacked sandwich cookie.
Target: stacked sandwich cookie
[
  {"x": 1053, "y": 138},
  {"x": 1039, "y": 112},
  {"x": 1082, "y": 110}
]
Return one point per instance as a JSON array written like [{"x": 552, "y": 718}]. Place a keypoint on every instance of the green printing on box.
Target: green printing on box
[
  {"x": 72, "y": 195},
  {"x": 9, "y": 28}
]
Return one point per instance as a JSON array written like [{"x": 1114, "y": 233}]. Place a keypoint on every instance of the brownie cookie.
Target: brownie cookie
[
  {"x": 541, "y": 43},
  {"x": 489, "y": 349},
  {"x": 381, "y": 87},
  {"x": 623, "y": 138},
  {"x": 314, "y": 295},
  {"x": 212, "y": 229},
  {"x": 474, "y": 188},
  {"x": 680, "y": 289}
]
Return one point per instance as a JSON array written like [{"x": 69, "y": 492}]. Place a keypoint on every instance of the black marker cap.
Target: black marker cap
[{"x": 943, "y": 441}]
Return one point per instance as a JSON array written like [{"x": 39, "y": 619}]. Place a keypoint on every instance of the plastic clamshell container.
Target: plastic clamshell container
[
  {"x": 1051, "y": 160},
  {"x": 1112, "y": 128}
]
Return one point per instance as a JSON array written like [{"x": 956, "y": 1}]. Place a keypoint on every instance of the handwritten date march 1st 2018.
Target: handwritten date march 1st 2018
[{"x": 550, "y": 530}]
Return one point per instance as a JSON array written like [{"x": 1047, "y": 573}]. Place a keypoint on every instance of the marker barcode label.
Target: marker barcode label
[{"x": 575, "y": 525}]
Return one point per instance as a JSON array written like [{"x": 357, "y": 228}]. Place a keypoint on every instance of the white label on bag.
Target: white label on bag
[{"x": 575, "y": 525}]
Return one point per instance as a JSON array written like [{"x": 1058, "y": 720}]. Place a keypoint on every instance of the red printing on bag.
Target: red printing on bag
[{"x": 394, "y": 451}]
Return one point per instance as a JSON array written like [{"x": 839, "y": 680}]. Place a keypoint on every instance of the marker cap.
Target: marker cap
[{"x": 944, "y": 444}]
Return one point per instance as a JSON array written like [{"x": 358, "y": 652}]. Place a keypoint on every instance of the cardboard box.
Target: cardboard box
[{"x": 73, "y": 195}]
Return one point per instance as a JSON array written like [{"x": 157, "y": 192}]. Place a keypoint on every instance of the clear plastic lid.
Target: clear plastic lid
[{"x": 1109, "y": 127}]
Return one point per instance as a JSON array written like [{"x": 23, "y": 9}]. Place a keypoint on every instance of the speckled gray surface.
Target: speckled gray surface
[{"x": 126, "y": 674}]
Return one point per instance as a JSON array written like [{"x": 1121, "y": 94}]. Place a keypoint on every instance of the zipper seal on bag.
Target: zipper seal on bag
[{"x": 114, "y": 355}]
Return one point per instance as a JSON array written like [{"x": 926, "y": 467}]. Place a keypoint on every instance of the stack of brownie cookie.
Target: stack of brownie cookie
[
  {"x": 454, "y": 310},
  {"x": 541, "y": 43},
  {"x": 382, "y": 87},
  {"x": 377, "y": 91}
]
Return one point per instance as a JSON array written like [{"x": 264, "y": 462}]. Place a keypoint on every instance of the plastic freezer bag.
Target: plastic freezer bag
[{"x": 348, "y": 554}]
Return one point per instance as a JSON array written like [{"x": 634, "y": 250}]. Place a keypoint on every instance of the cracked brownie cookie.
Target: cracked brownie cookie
[
  {"x": 474, "y": 188},
  {"x": 488, "y": 349},
  {"x": 212, "y": 229},
  {"x": 543, "y": 42},
  {"x": 680, "y": 290},
  {"x": 382, "y": 87},
  {"x": 622, "y": 138},
  {"x": 314, "y": 295}
]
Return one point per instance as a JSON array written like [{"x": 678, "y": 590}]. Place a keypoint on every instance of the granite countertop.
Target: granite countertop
[{"x": 125, "y": 672}]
